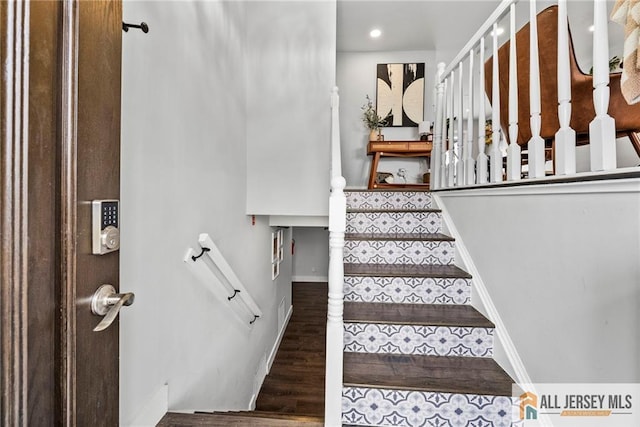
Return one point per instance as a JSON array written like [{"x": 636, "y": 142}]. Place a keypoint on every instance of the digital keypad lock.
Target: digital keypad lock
[{"x": 106, "y": 222}]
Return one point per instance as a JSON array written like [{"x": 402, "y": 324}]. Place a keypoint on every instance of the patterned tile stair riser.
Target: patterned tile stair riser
[
  {"x": 417, "y": 339},
  {"x": 388, "y": 200},
  {"x": 407, "y": 290},
  {"x": 394, "y": 222},
  {"x": 393, "y": 247},
  {"x": 399, "y": 252},
  {"x": 376, "y": 407}
]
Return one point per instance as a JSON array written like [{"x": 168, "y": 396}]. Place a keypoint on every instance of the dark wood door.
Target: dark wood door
[{"x": 60, "y": 150}]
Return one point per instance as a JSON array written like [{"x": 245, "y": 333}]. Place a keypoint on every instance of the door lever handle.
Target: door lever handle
[{"x": 107, "y": 302}]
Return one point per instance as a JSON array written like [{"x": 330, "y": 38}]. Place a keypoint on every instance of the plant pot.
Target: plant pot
[{"x": 376, "y": 135}]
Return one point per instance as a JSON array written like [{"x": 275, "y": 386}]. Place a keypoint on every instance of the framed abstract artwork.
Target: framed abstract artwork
[{"x": 400, "y": 93}]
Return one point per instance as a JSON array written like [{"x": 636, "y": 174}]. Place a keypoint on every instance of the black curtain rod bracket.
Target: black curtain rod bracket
[{"x": 143, "y": 26}]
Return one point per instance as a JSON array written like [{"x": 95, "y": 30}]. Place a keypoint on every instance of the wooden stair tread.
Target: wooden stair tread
[
  {"x": 399, "y": 236},
  {"x": 385, "y": 190},
  {"x": 415, "y": 314},
  {"x": 392, "y": 210},
  {"x": 405, "y": 270},
  {"x": 465, "y": 375},
  {"x": 239, "y": 419}
]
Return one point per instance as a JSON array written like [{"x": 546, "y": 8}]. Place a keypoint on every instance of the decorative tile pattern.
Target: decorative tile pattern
[
  {"x": 367, "y": 407},
  {"x": 398, "y": 252},
  {"x": 418, "y": 339},
  {"x": 394, "y": 222},
  {"x": 388, "y": 200},
  {"x": 407, "y": 290}
]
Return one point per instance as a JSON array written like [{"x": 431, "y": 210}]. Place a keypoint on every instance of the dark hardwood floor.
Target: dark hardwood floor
[
  {"x": 295, "y": 383},
  {"x": 293, "y": 392}
]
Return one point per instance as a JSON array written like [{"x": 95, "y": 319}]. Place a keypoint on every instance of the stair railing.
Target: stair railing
[
  {"x": 212, "y": 267},
  {"x": 337, "y": 227},
  {"x": 450, "y": 103}
]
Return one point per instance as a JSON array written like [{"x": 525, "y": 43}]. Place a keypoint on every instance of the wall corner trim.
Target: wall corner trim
[{"x": 522, "y": 377}]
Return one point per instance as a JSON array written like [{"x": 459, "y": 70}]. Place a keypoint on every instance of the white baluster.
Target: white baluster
[
  {"x": 335, "y": 327},
  {"x": 460, "y": 180},
  {"x": 436, "y": 153},
  {"x": 469, "y": 163},
  {"x": 602, "y": 130},
  {"x": 535, "y": 146},
  {"x": 565, "y": 150},
  {"x": 336, "y": 157},
  {"x": 514, "y": 163},
  {"x": 451, "y": 169},
  {"x": 445, "y": 136},
  {"x": 483, "y": 161},
  {"x": 496, "y": 156}
]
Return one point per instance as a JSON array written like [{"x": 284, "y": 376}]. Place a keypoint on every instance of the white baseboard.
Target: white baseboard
[
  {"x": 270, "y": 360},
  {"x": 154, "y": 409},
  {"x": 502, "y": 334},
  {"x": 276, "y": 345},
  {"x": 310, "y": 278}
]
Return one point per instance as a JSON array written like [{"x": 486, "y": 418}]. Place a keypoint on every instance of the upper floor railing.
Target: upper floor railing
[
  {"x": 337, "y": 227},
  {"x": 535, "y": 69}
]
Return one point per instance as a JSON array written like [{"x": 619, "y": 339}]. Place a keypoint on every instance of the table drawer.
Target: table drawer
[
  {"x": 389, "y": 146},
  {"x": 420, "y": 146}
]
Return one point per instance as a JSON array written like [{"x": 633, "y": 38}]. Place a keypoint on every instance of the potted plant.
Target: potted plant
[{"x": 372, "y": 121}]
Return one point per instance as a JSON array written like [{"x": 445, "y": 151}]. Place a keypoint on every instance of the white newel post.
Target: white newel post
[
  {"x": 482, "y": 169},
  {"x": 496, "y": 156},
  {"x": 602, "y": 130},
  {"x": 469, "y": 163},
  {"x": 337, "y": 227},
  {"x": 514, "y": 163},
  {"x": 335, "y": 328},
  {"x": 451, "y": 167},
  {"x": 535, "y": 146},
  {"x": 436, "y": 153},
  {"x": 565, "y": 156},
  {"x": 460, "y": 180}
]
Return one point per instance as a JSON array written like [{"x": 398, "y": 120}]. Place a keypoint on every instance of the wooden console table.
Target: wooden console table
[{"x": 396, "y": 149}]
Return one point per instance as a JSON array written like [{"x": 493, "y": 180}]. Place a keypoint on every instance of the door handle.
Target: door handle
[{"x": 107, "y": 302}]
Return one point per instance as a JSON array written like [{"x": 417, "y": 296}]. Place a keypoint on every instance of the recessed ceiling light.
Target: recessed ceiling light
[
  {"x": 500, "y": 31},
  {"x": 375, "y": 33},
  {"x": 592, "y": 28}
]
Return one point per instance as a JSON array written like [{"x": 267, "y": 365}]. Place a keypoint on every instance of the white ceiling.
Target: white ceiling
[
  {"x": 446, "y": 25},
  {"x": 409, "y": 25}
]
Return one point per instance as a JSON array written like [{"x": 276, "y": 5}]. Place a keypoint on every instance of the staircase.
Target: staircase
[{"x": 416, "y": 352}]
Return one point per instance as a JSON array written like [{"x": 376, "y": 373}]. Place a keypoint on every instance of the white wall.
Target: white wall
[
  {"x": 561, "y": 265},
  {"x": 290, "y": 73},
  {"x": 356, "y": 77},
  {"x": 184, "y": 163},
  {"x": 311, "y": 258}
]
